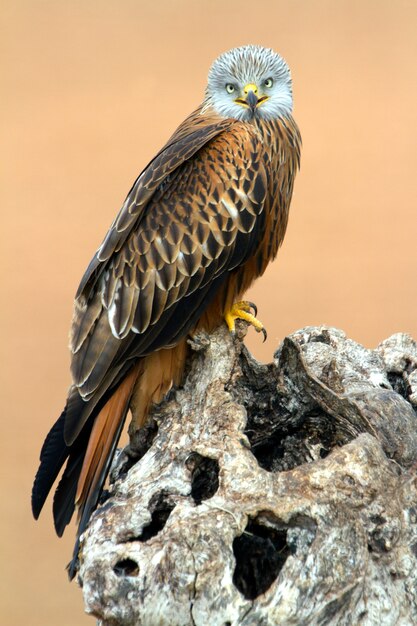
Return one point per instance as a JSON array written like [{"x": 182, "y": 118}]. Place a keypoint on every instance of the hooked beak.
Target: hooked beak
[{"x": 251, "y": 98}]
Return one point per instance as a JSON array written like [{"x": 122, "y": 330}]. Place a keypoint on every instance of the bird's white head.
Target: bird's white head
[{"x": 248, "y": 82}]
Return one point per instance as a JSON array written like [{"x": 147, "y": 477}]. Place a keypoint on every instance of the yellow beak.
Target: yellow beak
[
  {"x": 250, "y": 87},
  {"x": 251, "y": 97}
]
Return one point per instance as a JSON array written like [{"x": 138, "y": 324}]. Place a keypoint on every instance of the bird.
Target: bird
[{"x": 199, "y": 225}]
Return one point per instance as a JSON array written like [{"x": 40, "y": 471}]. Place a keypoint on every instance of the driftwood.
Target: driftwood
[{"x": 267, "y": 494}]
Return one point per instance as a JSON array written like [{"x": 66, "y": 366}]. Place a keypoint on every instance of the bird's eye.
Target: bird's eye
[
  {"x": 268, "y": 83},
  {"x": 230, "y": 88}
]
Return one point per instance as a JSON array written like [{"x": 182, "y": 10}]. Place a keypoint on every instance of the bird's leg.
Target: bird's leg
[{"x": 242, "y": 311}]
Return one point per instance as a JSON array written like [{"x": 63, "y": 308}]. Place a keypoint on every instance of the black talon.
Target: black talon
[
  {"x": 254, "y": 307},
  {"x": 265, "y": 334}
]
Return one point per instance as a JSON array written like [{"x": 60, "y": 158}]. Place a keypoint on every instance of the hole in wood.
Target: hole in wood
[
  {"x": 282, "y": 446},
  {"x": 204, "y": 476},
  {"x": 399, "y": 384},
  {"x": 161, "y": 507},
  {"x": 260, "y": 554},
  {"x": 126, "y": 567}
]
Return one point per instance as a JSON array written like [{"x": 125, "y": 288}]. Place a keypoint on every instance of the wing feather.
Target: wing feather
[
  {"x": 95, "y": 356},
  {"x": 85, "y": 316},
  {"x": 188, "y": 139}
]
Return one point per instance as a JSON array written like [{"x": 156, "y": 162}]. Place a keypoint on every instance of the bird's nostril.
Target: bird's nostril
[{"x": 249, "y": 88}]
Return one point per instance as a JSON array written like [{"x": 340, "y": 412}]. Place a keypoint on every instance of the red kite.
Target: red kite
[{"x": 200, "y": 224}]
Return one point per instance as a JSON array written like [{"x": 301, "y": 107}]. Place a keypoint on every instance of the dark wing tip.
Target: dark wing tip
[{"x": 53, "y": 455}]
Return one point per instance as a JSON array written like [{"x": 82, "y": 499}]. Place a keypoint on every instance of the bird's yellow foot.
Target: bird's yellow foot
[{"x": 242, "y": 311}]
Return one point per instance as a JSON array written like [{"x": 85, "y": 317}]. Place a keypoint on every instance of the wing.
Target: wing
[
  {"x": 159, "y": 268},
  {"x": 190, "y": 136}
]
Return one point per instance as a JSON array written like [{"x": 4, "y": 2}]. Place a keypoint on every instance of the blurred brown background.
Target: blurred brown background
[{"x": 89, "y": 92}]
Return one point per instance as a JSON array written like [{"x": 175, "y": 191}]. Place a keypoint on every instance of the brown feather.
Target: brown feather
[
  {"x": 158, "y": 372},
  {"x": 101, "y": 440},
  {"x": 191, "y": 135}
]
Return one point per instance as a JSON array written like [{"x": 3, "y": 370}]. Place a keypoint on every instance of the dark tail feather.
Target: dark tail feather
[
  {"x": 89, "y": 458},
  {"x": 53, "y": 455},
  {"x": 64, "y": 498}
]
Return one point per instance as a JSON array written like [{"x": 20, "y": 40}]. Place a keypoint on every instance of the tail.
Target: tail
[
  {"x": 89, "y": 455},
  {"x": 88, "y": 460}
]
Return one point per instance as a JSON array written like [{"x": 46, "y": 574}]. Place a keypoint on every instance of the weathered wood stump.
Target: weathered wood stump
[{"x": 267, "y": 494}]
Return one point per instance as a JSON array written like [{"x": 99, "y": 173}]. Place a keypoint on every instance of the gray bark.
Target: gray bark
[{"x": 267, "y": 494}]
